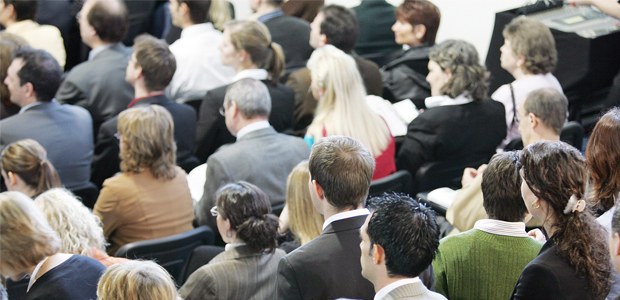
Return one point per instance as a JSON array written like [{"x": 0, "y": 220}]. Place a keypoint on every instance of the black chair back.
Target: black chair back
[
  {"x": 88, "y": 194},
  {"x": 572, "y": 134},
  {"x": 399, "y": 182},
  {"x": 201, "y": 256},
  {"x": 438, "y": 174}
]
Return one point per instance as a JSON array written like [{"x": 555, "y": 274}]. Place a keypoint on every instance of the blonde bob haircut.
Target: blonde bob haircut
[
  {"x": 136, "y": 280},
  {"x": 78, "y": 228},
  {"x": 25, "y": 236},
  {"x": 342, "y": 108},
  {"x": 304, "y": 220},
  {"x": 147, "y": 141}
]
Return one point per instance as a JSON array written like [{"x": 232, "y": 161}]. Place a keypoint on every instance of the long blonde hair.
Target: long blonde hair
[
  {"x": 305, "y": 222},
  {"x": 342, "y": 108}
]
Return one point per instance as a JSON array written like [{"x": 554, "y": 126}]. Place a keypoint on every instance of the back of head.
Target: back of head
[
  {"x": 28, "y": 159},
  {"x": 421, "y": 12},
  {"x": 248, "y": 210},
  {"x": 406, "y": 231},
  {"x": 25, "y": 236},
  {"x": 251, "y": 96},
  {"x": 461, "y": 59},
  {"x": 550, "y": 106},
  {"x": 24, "y": 9},
  {"x": 135, "y": 280},
  {"x": 343, "y": 168},
  {"x": 340, "y": 27},
  {"x": 78, "y": 228},
  {"x": 198, "y": 10},
  {"x": 220, "y": 13},
  {"x": 110, "y": 20},
  {"x": 147, "y": 141},
  {"x": 533, "y": 40},
  {"x": 304, "y": 220},
  {"x": 157, "y": 62},
  {"x": 41, "y": 70},
  {"x": 603, "y": 159},
  {"x": 501, "y": 188}
]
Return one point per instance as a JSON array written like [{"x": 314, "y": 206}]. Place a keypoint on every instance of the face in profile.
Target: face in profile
[
  {"x": 436, "y": 77},
  {"x": 366, "y": 258},
  {"x": 228, "y": 52},
  {"x": 403, "y": 33},
  {"x": 315, "y": 30},
  {"x": 508, "y": 58}
]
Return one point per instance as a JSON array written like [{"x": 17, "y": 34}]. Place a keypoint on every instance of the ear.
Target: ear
[
  {"x": 323, "y": 40},
  {"x": 419, "y": 31},
  {"x": 234, "y": 111},
  {"x": 29, "y": 89},
  {"x": 378, "y": 254},
  {"x": 318, "y": 189},
  {"x": 534, "y": 121},
  {"x": 139, "y": 73},
  {"x": 520, "y": 61},
  {"x": 12, "y": 178},
  {"x": 183, "y": 8},
  {"x": 616, "y": 244}
]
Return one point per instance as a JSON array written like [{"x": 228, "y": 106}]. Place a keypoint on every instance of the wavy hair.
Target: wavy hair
[
  {"x": 533, "y": 40},
  {"x": 28, "y": 159},
  {"x": 136, "y": 280},
  {"x": 304, "y": 220},
  {"x": 603, "y": 159}
]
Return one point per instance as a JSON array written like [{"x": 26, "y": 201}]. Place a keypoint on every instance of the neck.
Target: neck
[
  {"x": 245, "y": 122},
  {"x": 9, "y": 22},
  {"x": 265, "y": 9},
  {"x": 98, "y": 43},
  {"x": 141, "y": 91},
  {"x": 186, "y": 23},
  {"x": 245, "y": 66},
  {"x": 543, "y": 135},
  {"x": 519, "y": 73},
  {"x": 329, "y": 210},
  {"x": 385, "y": 280}
]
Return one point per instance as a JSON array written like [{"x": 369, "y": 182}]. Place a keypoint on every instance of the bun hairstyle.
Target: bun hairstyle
[
  {"x": 28, "y": 159},
  {"x": 248, "y": 210}
]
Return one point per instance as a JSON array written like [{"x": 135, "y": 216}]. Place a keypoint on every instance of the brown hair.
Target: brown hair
[
  {"x": 157, "y": 62},
  {"x": 533, "y": 40},
  {"x": 501, "y": 188},
  {"x": 304, "y": 220},
  {"x": 135, "y": 280},
  {"x": 28, "y": 160},
  {"x": 9, "y": 44},
  {"x": 549, "y": 105},
  {"x": 110, "y": 20},
  {"x": 603, "y": 159},
  {"x": 421, "y": 12}
]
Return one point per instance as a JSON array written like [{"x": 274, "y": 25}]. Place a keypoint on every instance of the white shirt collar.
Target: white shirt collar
[
  {"x": 231, "y": 246},
  {"x": 252, "y": 127},
  {"x": 28, "y": 106},
  {"x": 196, "y": 29},
  {"x": 95, "y": 51},
  {"x": 515, "y": 229},
  {"x": 345, "y": 215},
  {"x": 394, "y": 285},
  {"x": 258, "y": 74},
  {"x": 444, "y": 100}
]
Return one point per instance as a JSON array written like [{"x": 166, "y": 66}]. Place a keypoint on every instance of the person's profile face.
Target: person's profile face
[
  {"x": 315, "y": 30},
  {"x": 365, "y": 246},
  {"x": 436, "y": 77},
  {"x": 18, "y": 92},
  {"x": 228, "y": 52},
  {"x": 508, "y": 59},
  {"x": 403, "y": 33}
]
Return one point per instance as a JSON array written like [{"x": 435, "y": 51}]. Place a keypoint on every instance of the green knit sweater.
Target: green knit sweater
[{"x": 478, "y": 265}]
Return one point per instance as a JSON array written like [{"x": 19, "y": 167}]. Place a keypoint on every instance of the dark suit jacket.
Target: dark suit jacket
[
  {"x": 328, "y": 267},
  {"x": 375, "y": 19},
  {"x": 293, "y": 35},
  {"x": 453, "y": 132},
  {"x": 106, "y": 162},
  {"x": 65, "y": 133},
  {"x": 212, "y": 132}
]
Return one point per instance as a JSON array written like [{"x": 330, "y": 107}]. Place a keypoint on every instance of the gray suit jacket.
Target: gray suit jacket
[
  {"x": 235, "y": 274},
  {"x": 413, "y": 291},
  {"x": 65, "y": 133},
  {"x": 262, "y": 157}
]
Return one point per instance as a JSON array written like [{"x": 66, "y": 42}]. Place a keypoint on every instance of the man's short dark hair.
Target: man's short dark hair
[
  {"x": 407, "y": 232},
  {"x": 501, "y": 188},
  {"x": 549, "y": 105},
  {"x": 41, "y": 70},
  {"x": 157, "y": 62},
  {"x": 110, "y": 20},
  {"x": 198, "y": 10},
  {"x": 340, "y": 27},
  {"x": 343, "y": 167},
  {"x": 24, "y": 9}
]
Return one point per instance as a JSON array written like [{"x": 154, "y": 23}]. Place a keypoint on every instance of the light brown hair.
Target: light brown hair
[
  {"x": 533, "y": 40},
  {"x": 422, "y": 12},
  {"x": 603, "y": 158},
  {"x": 28, "y": 159},
  {"x": 304, "y": 220},
  {"x": 157, "y": 62},
  {"x": 136, "y": 280}
]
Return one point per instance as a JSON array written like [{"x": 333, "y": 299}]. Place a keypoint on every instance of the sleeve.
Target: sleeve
[
  {"x": 441, "y": 281},
  {"x": 108, "y": 210},
  {"x": 287, "y": 287},
  {"x": 502, "y": 95},
  {"x": 418, "y": 146},
  {"x": 200, "y": 285},
  {"x": 536, "y": 282},
  {"x": 105, "y": 158},
  {"x": 206, "y": 127},
  {"x": 69, "y": 93},
  {"x": 215, "y": 177}
]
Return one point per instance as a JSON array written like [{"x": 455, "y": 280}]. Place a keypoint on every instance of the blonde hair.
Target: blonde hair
[
  {"x": 304, "y": 220},
  {"x": 219, "y": 13},
  {"x": 78, "y": 228},
  {"x": 342, "y": 110},
  {"x": 28, "y": 159},
  {"x": 25, "y": 236},
  {"x": 147, "y": 134},
  {"x": 136, "y": 280}
]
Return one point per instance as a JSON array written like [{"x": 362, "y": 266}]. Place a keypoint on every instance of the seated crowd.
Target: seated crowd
[{"x": 292, "y": 145}]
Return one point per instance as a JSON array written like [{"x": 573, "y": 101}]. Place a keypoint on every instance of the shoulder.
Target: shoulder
[{"x": 502, "y": 93}]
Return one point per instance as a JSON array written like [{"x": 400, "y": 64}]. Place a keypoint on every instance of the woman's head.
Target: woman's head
[
  {"x": 25, "y": 168},
  {"x": 147, "y": 141},
  {"x": 247, "y": 45},
  {"x": 25, "y": 236},
  {"x": 603, "y": 159},
  {"x": 416, "y": 23},
  {"x": 454, "y": 68},
  {"x": 304, "y": 220},
  {"x": 78, "y": 228},
  {"x": 244, "y": 213},
  {"x": 529, "y": 46},
  {"x": 134, "y": 280}
]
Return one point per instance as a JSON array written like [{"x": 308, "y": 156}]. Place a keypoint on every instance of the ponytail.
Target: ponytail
[
  {"x": 275, "y": 62},
  {"x": 48, "y": 177}
]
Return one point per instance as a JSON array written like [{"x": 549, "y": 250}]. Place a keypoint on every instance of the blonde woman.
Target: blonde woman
[
  {"x": 342, "y": 108},
  {"x": 136, "y": 280}
]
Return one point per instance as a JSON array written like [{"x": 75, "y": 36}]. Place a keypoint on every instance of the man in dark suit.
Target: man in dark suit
[
  {"x": 63, "y": 130},
  {"x": 98, "y": 84},
  {"x": 328, "y": 267},
  {"x": 149, "y": 71}
]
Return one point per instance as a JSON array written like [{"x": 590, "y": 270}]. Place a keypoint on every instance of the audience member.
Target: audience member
[
  {"x": 136, "y": 280},
  {"x": 417, "y": 22},
  {"x": 574, "y": 261},
  {"x": 529, "y": 55},
  {"x": 334, "y": 25},
  {"x": 149, "y": 71},
  {"x": 468, "y": 264},
  {"x": 328, "y": 267},
  {"x": 63, "y": 130},
  {"x": 199, "y": 65},
  {"x": 459, "y": 87},
  {"x": 99, "y": 84},
  {"x": 247, "y": 269},
  {"x": 248, "y": 48},
  {"x": 28, "y": 246},
  {"x": 220, "y": 13},
  {"x": 614, "y": 241},
  {"x": 260, "y": 155},
  {"x": 303, "y": 9},
  {"x": 150, "y": 198},
  {"x": 342, "y": 108},
  {"x": 25, "y": 168},
  {"x": 9, "y": 43},
  {"x": 18, "y": 17},
  {"x": 399, "y": 241},
  {"x": 375, "y": 40}
]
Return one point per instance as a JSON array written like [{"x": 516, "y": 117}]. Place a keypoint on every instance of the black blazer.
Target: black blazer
[
  {"x": 292, "y": 34},
  {"x": 212, "y": 132}
]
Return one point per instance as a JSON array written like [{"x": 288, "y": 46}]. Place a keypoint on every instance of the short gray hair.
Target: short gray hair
[
  {"x": 549, "y": 105},
  {"x": 251, "y": 96}
]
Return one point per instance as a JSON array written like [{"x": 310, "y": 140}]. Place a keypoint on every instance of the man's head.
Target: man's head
[
  {"x": 17, "y": 10},
  {"x": 34, "y": 75},
  {"x": 542, "y": 115},
  {"x": 501, "y": 188},
  {"x": 399, "y": 239},
  {"x": 103, "y": 21},
  {"x": 189, "y": 12},
  {"x": 152, "y": 63},
  {"x": 334, "y": 25},
  {"x": 246, "y": 101},
  {"x": 529, "y": 46}
]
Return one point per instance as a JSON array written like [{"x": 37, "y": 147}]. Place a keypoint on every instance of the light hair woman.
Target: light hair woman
[
  {"x": 135, "y": 280},
  {"x": 342, "y": 108}
]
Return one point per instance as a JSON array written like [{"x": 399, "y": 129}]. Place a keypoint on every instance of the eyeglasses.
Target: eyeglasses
[
  {"x": 222, "y": 111},
  {"x": 214, "y": 211}
]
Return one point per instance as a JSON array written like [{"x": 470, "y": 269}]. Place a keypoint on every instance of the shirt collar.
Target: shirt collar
[
  {"x": 258, "y": 74},
  {"x": 136, "y": 100},
  {"x": 345, "y": 215},
  {"x": 515, "y": 229},
  {"x": 95, "y": 51},
  {"x": 231, "y": 246},
  {"x": 29, "y": 106},
  {"x": 252, "y": 127},
  {"x": 394, "y": 285},
  {"x": 270, "y": 15},
  {"x": 196, "y": 29},
  {"x": 444, "y": 100}
]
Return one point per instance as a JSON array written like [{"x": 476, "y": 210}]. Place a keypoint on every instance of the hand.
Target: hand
[
  {"x": 578, "y": 2},
  {"x": 469, "y": 174},
  {"x": 537, "y": 235}
]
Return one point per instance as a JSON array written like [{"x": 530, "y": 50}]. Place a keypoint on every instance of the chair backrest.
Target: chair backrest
[
  {"x": 572, "y": 134},
  {"x": 437, "y": 174},
  {"x": 399, "y": 182},
  {"x": 88, "y": 194},
  {"x": 171, "y": 252},
  {"x": 200, "y": 256}
]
